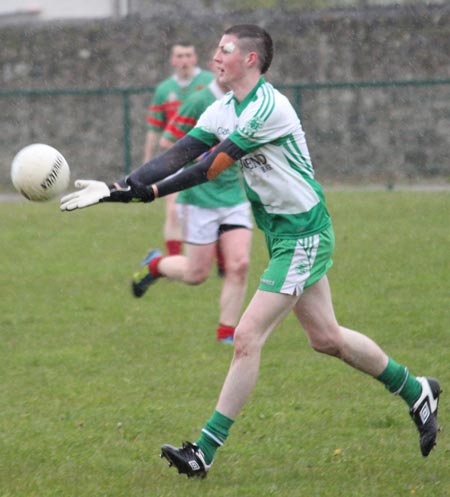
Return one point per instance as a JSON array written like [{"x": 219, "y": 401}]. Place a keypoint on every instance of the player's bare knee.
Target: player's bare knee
[
  {"x": 237, "y": 268},
  {"x": 196, "y": 277},
  {"x": 245, "y": 342},
  {"x": 326, "y": 348},
  {"x": 326, "y": 343}
]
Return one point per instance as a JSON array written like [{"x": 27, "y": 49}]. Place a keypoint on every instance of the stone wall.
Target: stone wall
[{"x": 370, "y": 133}]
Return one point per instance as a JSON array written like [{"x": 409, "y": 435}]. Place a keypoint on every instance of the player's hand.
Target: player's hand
[
  {"x": 141, "y": 192},
  {"x": 133, "y": 192},
  {"x": 91, "y": 193}
]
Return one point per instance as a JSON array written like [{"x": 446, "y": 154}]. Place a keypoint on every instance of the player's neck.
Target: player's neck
[
  {"x": 184, "y": 79},
  {"x": 244, "y": 86}
]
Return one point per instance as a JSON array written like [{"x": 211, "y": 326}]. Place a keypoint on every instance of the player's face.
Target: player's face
[
  {"x": 230, "y": 61},
  {"x": 183, "y": 60}
]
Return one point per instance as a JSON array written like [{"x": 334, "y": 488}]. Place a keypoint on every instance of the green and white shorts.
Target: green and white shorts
[{"x": 298, "y": 263}]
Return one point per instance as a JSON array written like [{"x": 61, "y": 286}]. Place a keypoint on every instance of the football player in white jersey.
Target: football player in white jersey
[{"x": 256, "y": 125}]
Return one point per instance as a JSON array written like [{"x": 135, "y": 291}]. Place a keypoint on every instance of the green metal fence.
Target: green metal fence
[{"x": 296, "y": 90}]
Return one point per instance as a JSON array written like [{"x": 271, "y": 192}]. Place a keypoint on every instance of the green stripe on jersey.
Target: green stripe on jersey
[
  {"x": 296, "y": 156},
  {"x": 209, "y": 138}
]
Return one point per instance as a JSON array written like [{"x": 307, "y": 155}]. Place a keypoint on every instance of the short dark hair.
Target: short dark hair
[
  {"x": 182, "y": 43},
  {"x": 257, "y": 40}
]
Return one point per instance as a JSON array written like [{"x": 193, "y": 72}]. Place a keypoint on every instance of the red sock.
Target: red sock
[
  {"x": 224, "y": 331},
  {"x": 153, "y": 267},
  {"x": 174, "y": 247}
]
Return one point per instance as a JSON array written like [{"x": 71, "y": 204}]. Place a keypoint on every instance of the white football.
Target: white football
[{"x": 39, "y": 172}]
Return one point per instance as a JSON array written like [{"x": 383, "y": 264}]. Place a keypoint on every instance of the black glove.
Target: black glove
[
  {"x": 144, "y": 193},
  {"x": 134, "y": 192}
]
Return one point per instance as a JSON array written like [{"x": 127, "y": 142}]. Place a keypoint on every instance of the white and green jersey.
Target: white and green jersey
[{"x": 287, "y": 201}]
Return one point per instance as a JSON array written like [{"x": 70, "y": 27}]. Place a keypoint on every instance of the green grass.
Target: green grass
[{"x": 92, "y": 381}]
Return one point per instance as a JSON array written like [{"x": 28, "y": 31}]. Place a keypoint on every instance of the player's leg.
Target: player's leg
[
  {"x": 235, "y": 234},
  {"x": 199, "y": 227},
  {"x": 275, "y": 298},
  {"x": 315, "y": 312},
  {"x": 235, "y": 243},
  {"x": 192, "y": 268},
  {"x": 265, "y": 311},
  {"x": 172, "y": 227}
]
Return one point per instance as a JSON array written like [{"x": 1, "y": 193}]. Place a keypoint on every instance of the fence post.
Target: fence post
[{"x": 126, "y": 123}]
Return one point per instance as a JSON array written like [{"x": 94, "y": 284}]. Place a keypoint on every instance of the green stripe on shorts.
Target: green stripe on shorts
[{"x": 297, "y": 264}]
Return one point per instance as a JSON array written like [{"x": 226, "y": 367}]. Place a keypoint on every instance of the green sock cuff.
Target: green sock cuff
[
  {"x": 214, "y": 435},
  {"x": 399, "y": 381},
  {"x": 391, "y": 374}
]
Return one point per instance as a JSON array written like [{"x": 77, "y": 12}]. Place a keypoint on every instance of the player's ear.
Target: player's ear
[{"x": 252, "y": 59}]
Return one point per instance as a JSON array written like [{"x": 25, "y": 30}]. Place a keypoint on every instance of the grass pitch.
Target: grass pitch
[{"x": 93, "y": 381}]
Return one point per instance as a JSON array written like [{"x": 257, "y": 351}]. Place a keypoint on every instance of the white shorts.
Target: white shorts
[{"x": 204, "y": 225}]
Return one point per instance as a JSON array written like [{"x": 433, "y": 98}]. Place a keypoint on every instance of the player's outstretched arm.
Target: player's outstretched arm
[
  {"x": 221, "y": 158},
  {"x": 133, "y": 188}
]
